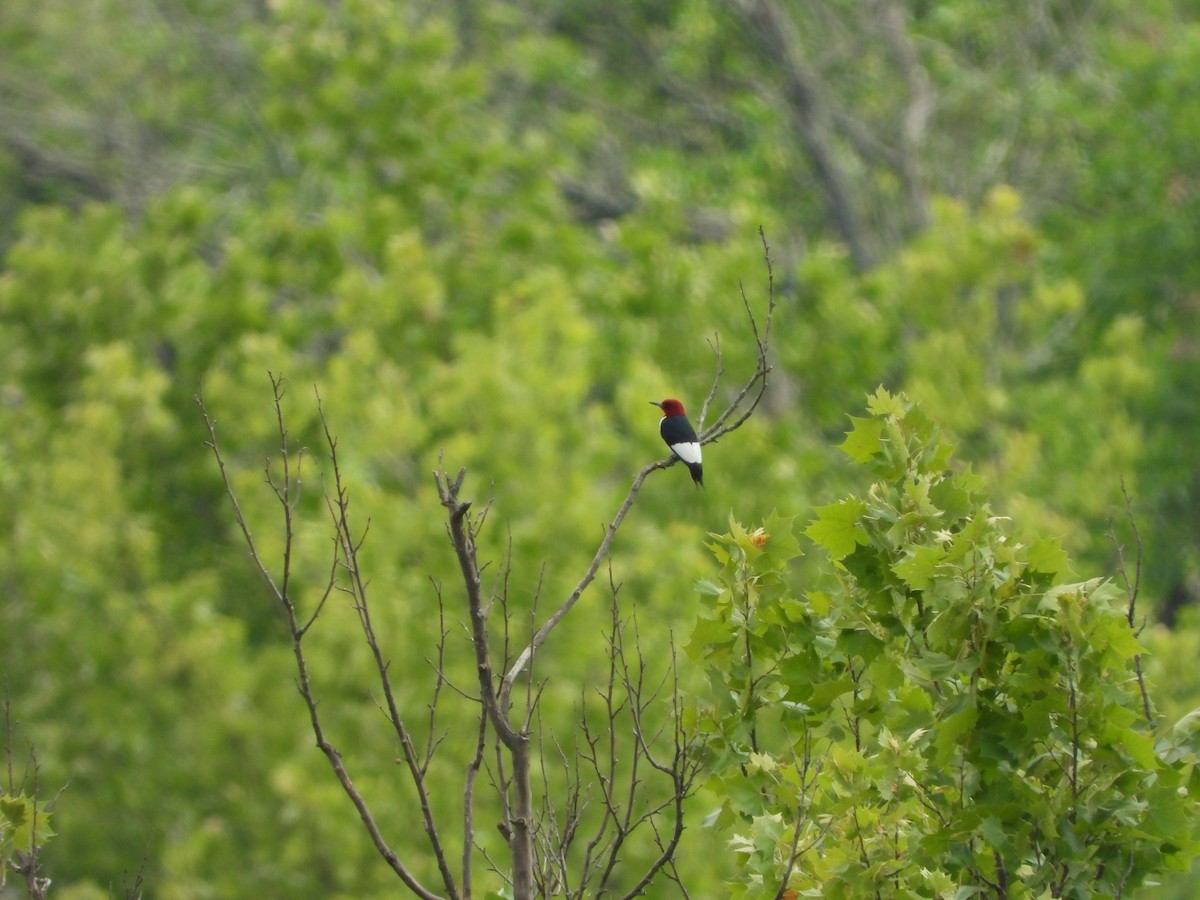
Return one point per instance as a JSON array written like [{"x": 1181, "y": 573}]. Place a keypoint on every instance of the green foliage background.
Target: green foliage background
[{"x": 397, "y": 203}]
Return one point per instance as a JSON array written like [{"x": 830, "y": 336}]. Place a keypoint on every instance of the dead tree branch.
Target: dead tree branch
[
  {"x": 520, "y": 821},
  {"x": 666, "y": 749},
  {"x": 346, "y": 555},
  {"x": 350, "y": 543},
  {"x": 496, "y": 697},
  {"x": 633, "y": 761}
]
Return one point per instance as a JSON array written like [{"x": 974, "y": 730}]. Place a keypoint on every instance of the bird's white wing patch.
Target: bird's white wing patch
[{"x": 688, "y": 451}]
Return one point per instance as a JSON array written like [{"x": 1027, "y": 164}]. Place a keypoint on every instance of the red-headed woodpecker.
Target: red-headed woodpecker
[{"x": 680, "y": 436}]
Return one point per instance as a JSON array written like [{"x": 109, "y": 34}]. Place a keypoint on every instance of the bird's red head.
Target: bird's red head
[{"x": 669, "y": 407}]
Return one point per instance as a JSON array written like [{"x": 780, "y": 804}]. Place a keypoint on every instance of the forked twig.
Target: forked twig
[{"x": 281, "y": 591}]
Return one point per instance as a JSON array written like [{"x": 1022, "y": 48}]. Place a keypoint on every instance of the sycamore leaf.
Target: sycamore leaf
[
  {"x": 992, "y": 831},
  {"x": 884, "y": 673},
  {"x": 950, "y": 733},
  {"x": 836, "y": 527},
  {"x": 767, "y": 831},
  {"x": 719, "y": 552},
  {"x": 761, "y": 762},
  {"x": 709, "y": 637},
  {"x": 819, "y": 602},
  {"x": 957, "y": 494},
  {"x": 862, "y": 441},
  {"x": 1139, "y": 746},
  {"x": 16, "y": 810},
  {"x": 26, "y": 820},
  {"x": 882, "y": 403},
  {"x": 782, "y": 542},
  {"x": 826, "y": 692},
  {"x": 920, "y": 567},
  {"x": 1047, "y": 555}
]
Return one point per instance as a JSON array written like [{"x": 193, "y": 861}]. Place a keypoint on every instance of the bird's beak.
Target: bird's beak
[{"x": 656, "y": 403}]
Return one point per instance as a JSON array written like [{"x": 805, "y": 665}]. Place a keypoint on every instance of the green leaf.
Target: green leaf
[
  {"x": 781, "y": 542},
  {"x": 836, "y": 527},
  {"x": 24, "y": 822},
  {"x": 950, "y": 732},
  {"x": 919, "y": 568},
  {"x": 15, "y": 810},
  {"x": 955, "y": 495},
  {"x": 1047, "y": 555},
  {"x": 708, "y": 635},
  {"x": 882, "y": 403},
  {"x": 885, "y": 673},
  {"x": 1111, "y": 634},
  {"x": 825, "y": 693},
  {"x": 992, "y": 830},
  {"x": 819, "y": 602},
  {"x": 1138, "y": 745},
  {"x": 719, "y": 552},
  {"x": 862, "y": 441}
]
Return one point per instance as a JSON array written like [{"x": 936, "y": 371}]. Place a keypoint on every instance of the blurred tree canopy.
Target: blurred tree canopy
[{"x": 494, "y": 231}]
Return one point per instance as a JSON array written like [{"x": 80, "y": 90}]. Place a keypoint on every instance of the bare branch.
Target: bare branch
[
  {"x": 806, "y": 770},
  {"x": 520, "y": 822},
  {"x": 303, "y": 679},
  {"x": 530, "y": 699},
  {"x": 683, "y": 771},
  {"x": 719, "y": 366},
  {"x": 757, "y": 382},
  {"x": 211, "y": 443},
  {"x": 469, "y": 801},
  {"x": 27, "y": 862},
  {"x": 432, "y": 742},
  {"x": 627, "y": 693},
  {"x": 8, "y": 740},
  {"x": 339, "y": 509}
]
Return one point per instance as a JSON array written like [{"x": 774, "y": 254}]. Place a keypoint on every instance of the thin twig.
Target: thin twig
[
  {"x": 251, "y": 546},
  {"x": 469, "y": 801},
  {"x": 303, "y": 679},
  {"x": 27, "y": 862},
  {"x": 339, "y": 509},
  {"x": 683, "y": 770},
  {"x": 439, "y": 669},
  {"x": 719, "y": 367},
  {"x": 758, "y": 380}
]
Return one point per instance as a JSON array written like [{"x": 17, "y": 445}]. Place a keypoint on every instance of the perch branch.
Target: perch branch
[{"x": 733, "y": 417}]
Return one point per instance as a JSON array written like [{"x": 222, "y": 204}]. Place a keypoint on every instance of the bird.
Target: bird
[{"x": 680, "y": 436}]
